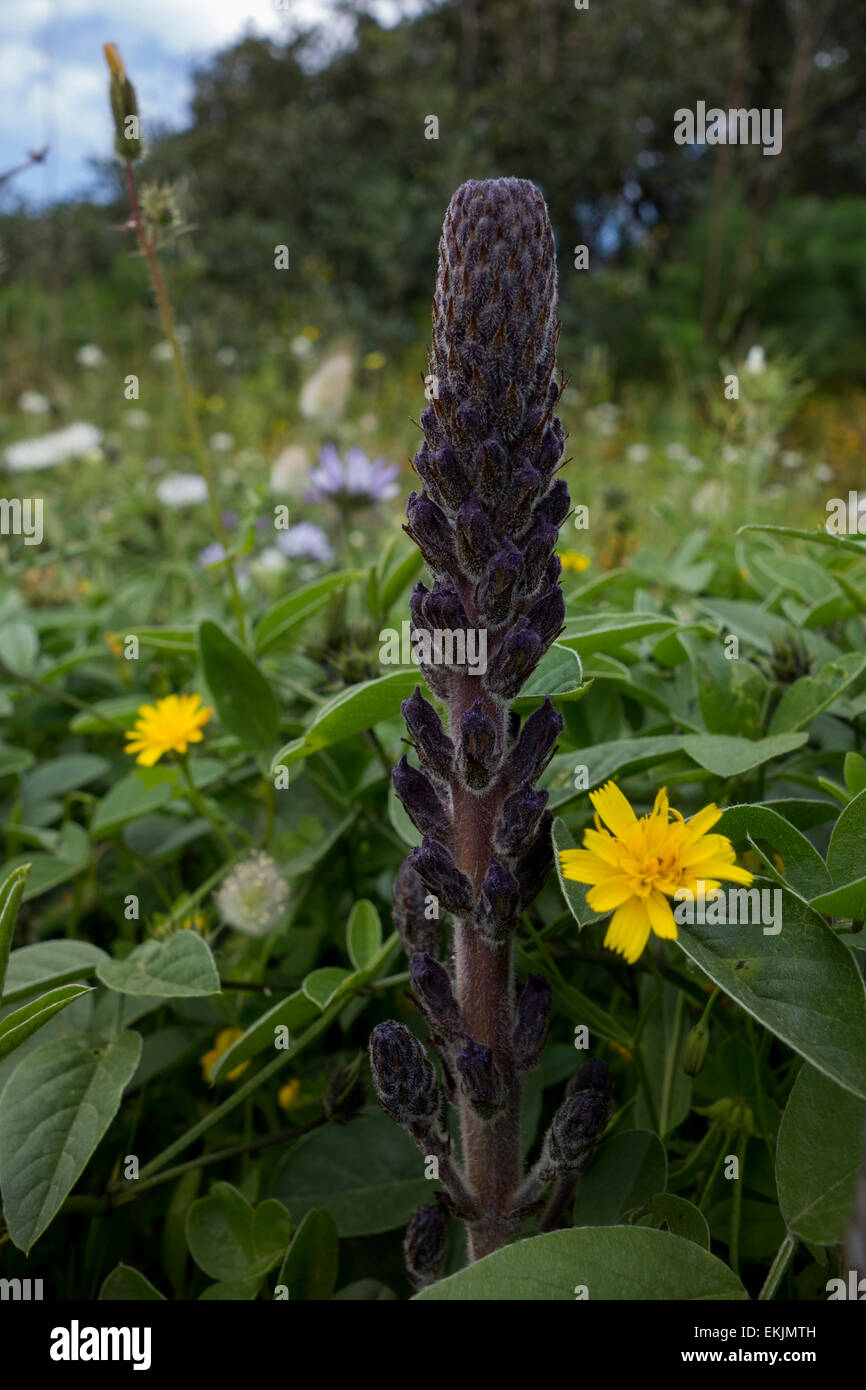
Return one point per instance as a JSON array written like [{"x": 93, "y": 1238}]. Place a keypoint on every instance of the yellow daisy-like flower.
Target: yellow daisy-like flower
[
  {"x": 573, "y": 560},
  {"x": 287, "y": 1096},
  {"x": 223, "y": 1042},
  {"x": 169, "y": 726},
  {"x": 635, "y": 864}
]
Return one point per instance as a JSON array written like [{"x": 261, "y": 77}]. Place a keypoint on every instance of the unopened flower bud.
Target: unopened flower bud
[
  {"x": 404, "y": 1077},
  {"x": 435, "y": 865},
  {"x": 124, "y": 107},
  {"x": 534, "y": 747},
  {"x": 409, "y": 912},
  {"x": 423, "y": 803},
  {"x": 478, "y": 753},
  {"x": 695, "y": 1051},
  {"x": 425, "y": 1244},
  {"x": 425, "y": 727},
  {"x": 432, "y": 985},
  {"x": 344, "y": 1095},
  {"x": 479, "y": 1077},
  {"x": 576, "y": 1129},
  {"x": 591, "y": 1075}
]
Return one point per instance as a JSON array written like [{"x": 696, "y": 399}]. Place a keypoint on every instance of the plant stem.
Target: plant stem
[
  {"x": 778, "y": 1268},
  {"x": 148, "y": 248}
]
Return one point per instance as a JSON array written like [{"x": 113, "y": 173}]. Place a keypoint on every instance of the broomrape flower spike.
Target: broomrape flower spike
[
  {"x": 169, "y": 726},
  {"x": 486, "y": 520},
  {"x": 636, "y": 864}
]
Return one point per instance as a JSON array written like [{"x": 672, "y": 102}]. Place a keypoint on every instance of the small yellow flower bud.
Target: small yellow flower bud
[
  {"x": 124, "y": 107},
  {"x": 695, "y": 1053}
]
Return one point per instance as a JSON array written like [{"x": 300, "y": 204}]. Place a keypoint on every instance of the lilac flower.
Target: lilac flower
[
  {"x": 306, "y": 541},
  {"x": 357, "y": 482}
]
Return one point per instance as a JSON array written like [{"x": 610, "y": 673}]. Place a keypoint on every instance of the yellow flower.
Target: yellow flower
[
  {"x": 636, "y": 864},
  {"x": 374, "y": 361},
  {"x": 169, "y": 726},
  {"x": 287, "y": 1096},
  {"x": 223, "y": 1043},
  {"x": 573, "y": 560}
]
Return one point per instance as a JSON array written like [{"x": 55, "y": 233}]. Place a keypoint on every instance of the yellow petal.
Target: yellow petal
[
  {"x": 661, "y": 917},
  {"x": 613, "y": 807},
  {"x": 629, "y": 930}
]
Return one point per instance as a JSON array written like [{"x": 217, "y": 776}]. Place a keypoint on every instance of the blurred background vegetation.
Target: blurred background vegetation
[{"x": 701, "y": 260}]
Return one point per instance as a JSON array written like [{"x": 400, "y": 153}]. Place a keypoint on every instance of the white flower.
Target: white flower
[
  {"x": 603, "y": 419},
  {"x": 269, "y": 560},
  {"x": 136, "y": 419},
  {"x": 306, "y": 541},
  {"x": 324, "y": 395},
  {"x": 182, "y": 490},
  {"x": 226, "y": 356},
  {"x": 90, "y": 356},
  {"x": 693, "y": 464},
  {"x": 677, "y": 453},
  {"x": 254, "y": 896},
  {"x": 73, "y": 441},
  {"x": 756, "y": 359},
  {"x": 637, "y": 453},
  {"x": 289, "y": 469},
  {"x": 368, "y": 421},
  {"x": 161, "y": 352},
  {"x": 222, "y": 442},
  {"x": 790, "y": 458},
  {"x": 730, "y": 453},
  {"x": 711, "y": 499},
  {"x": 824, "y": 473},
  {"x": 300, "y": 346},
  {"x": 34, "y": 403}
]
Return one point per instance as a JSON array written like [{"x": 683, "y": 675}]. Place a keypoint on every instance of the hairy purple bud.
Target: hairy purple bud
[
  {"x": 521, "y": 812},
  {"x": 576, "y": 1129},
  {"x": 478, "y": 753},
  {"x": 436, "y": 867},
  {"x": 514, "y": 662},
  {"x": 432, "y": 985},
  {"x": 534, "y": 747},
  {"x": 532, "y": 1021},
  {"x": 547, "y": 615},
  {"x": 403, "y": 1076},
  {"x": 431, "y": 740},
  {"x": 479, "y": 1077},
  {"x": 421, "y": 799},
  {"x": 532, "y": 868},
  {"x": 498, "y": 583},
  {"x": 591, "y": 1075},
  {"x": 499, "y": 903},
  {"x": 425, "y": 1244},
  {"x": 555, "y": 505},
  {"x": 537, "y": 547},
  {"x": 417, "y": 932},
  {"x": 475, "y": 539},
  {"x": 430, "y": 530}
]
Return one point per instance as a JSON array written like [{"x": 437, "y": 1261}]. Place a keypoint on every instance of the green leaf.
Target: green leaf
[
  {"x": 232, "y": 1242},
  {"x": 558, "y": 674},
  {"x": 127, "y": 1284},
  {"x": 281, "y": 620},
  {"x": 11, "y": 894},
  {"x": 621, "y": 756},
  {"x": 598, "y": 1263},
  {"x": 818, "y": 1157},
  {"x": 621, "y": 1180},
  {"x": 848, "y": 901},
  {"x": 219, "y": 1232},
  {"x": 69, "y": 856},
  {"x": 168, "y": 639},
  {"x": 128, "y": 800},
  {"x": 681, "y": 1217},
  {"x": 804, "y": 869},
  {"x": 662, "y": 1046},
  {"x": 846, "y": 854},
  {"x": 181, "y": 966},
  {"x": 118, "y": 709},
  {"x": 17, "y": 1026},
  {"x": 605, "y": 631},
  {"x": 14, "y": 760},
  {"x": 811, "y": 694},
  {"x": 243, "y": 695},
  {"x": 731, "y": 757},
  {"x": 57, "y": 776},
  {"x": 368, "y": 1174},
  {"x": 820, "y": 536},
  {"x": 309, "y": 1270},
  {"x": 363, "y": 933},
  {"x": 574, "y": 893},
  {"x": 731, "y": 692},
  {"x": 322, "y": 985},
  {"x": 54, "y": 1110},
  {"x": 49, "y": 963},
  {"x": 294, "y": 1012},
  {"x": 19, "y": 643},
  {"x": 397, "y": 579},
  {"x": 855, "y": 772},
  {"x": 353, "y": 710},
  {"x": 803, "y": 984}
]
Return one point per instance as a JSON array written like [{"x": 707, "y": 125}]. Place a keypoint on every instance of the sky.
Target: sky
[{"x": 54, "y": 82}]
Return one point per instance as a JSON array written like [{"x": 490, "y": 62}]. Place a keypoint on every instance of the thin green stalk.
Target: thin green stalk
[
  {"x": 148, "y": 249},
  {"x": 194, "y": 796},
  {"x": 778, "y": 1268},
  {"x": 737, "y": 1204},
  {"x": 670, "y": 1066}
]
